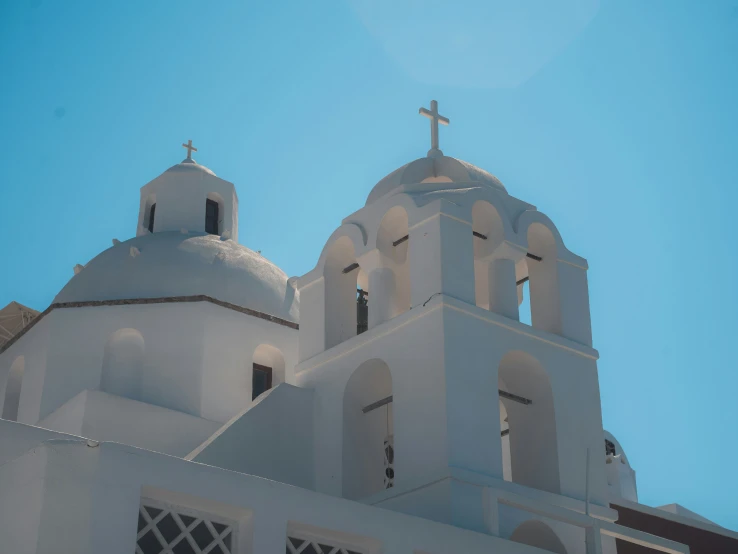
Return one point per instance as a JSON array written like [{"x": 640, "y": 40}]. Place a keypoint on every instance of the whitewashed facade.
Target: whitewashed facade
[{"x": 132, "y": 419}]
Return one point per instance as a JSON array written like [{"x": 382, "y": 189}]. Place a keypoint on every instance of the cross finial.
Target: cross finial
[
  {"x": 435, "y": 118},
  {"x": 190, "y": 149}
]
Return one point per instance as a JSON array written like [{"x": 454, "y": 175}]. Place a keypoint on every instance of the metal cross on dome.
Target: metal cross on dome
[
  {"x": 435, "y": 118},
  {"x": 190, "y": 149}
]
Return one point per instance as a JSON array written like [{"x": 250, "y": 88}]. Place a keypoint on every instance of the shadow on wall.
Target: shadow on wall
[
  {"x": 122, "y": 371},
  {"x": 13, "y": 389}
]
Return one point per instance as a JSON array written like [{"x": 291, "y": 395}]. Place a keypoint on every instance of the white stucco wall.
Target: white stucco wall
[
  {"x": 198, "y": 356},
  {"x": 106, "y": 483},
  {"x": 105, "y": 417},
  {"x": 273, "y": 438}
]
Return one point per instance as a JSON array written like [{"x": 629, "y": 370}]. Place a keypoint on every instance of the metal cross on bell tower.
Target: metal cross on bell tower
[
  {"x": 190, "y": 149},
  {"x": 435, "y": 118}
]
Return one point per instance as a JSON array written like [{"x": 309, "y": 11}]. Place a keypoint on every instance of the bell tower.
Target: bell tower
[
  {"x": 189, "y": 196},
  {"x": 471, "y": 400}
]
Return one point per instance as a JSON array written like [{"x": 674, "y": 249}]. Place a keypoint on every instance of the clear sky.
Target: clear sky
[{"x": 618, "y": 119}]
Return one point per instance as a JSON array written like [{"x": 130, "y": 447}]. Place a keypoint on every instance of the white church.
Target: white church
[{"x": 181, "y": 395}]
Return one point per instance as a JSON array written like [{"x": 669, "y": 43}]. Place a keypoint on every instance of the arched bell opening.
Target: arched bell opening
[
  {"x": 368, "y": 431},
  {"x": 494, "y": 276},
  {"x": 537, "y": 281},
  {"x": 527, "y": 398},
  {"x": 341, "y": 271},
  {"x": 391, "y": 279}
]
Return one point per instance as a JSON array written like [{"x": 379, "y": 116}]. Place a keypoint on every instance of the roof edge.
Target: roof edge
[{"x": 139, "y": 301}]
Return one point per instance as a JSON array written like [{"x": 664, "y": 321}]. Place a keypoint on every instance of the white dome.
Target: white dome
[
  {"x": 175, "y": 264},
  {"x": 188, "y": 164},
  {"x": 442, "y": 169}
]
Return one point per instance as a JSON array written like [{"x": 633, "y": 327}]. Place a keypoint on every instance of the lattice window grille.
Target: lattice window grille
[
  {"x": 389, "y": 462},
  {"x": 298, "y": 545},
  {"x": 167, "y": 529}
]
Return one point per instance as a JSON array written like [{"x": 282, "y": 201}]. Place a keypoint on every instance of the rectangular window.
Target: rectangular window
[
  {"x": 166, "y": 528},
  {"x": 261, "y": 380},
  {"x": 211, "y": 217}
]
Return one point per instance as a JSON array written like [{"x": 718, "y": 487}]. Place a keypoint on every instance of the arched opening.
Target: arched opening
[
  {"x": 13, "y": 389},
  {"x": 122, "y": 371},
  {"x": 341, "y": 293},
  {"x": 368, "y": 431},
  {"x": 493, "y": 278},
  {"x": 542, "y": 277},
  {"x": 152, "y": 216},
  {"x": 267, "y": 369},
  {"x": 214, "y": 209},
  {"x": 391, "y": 281},
  {"x": 525, "y": 392},
  {"x": 149, "y": 215},
  {"x": 538, "y": 534}
]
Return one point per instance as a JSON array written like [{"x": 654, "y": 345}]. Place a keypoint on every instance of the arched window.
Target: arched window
[
  {"x": 149, "y": 213},
  {"x": 13, "y": 389},
  {"x": 212, "y": 214},
  {"x": 122, "y": 371},
  {"x": 538, "y": 534},
  {"x": 152, "y": 214},
  {"x": 267, "y": 369},
  {"x": 527, "y": 398},
  {"x": 368, "y": 431}
]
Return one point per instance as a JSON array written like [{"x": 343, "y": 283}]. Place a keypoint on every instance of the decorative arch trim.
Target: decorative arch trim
[
  {"x": 353, "y": 232},
  {"x": 530, "y": 217}
]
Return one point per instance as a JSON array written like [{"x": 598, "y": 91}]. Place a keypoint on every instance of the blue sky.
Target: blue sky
[{"x": 618, "y": 119}]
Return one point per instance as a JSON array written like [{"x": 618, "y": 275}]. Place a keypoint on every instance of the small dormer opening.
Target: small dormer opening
[
  {"x": 212, "y": 214},
  {"x": 152, "y": 214}
]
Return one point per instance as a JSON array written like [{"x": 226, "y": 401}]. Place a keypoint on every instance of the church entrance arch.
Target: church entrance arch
[
  {"x": 368, "y": 431},
  {"x": 527, "y": 398}
]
